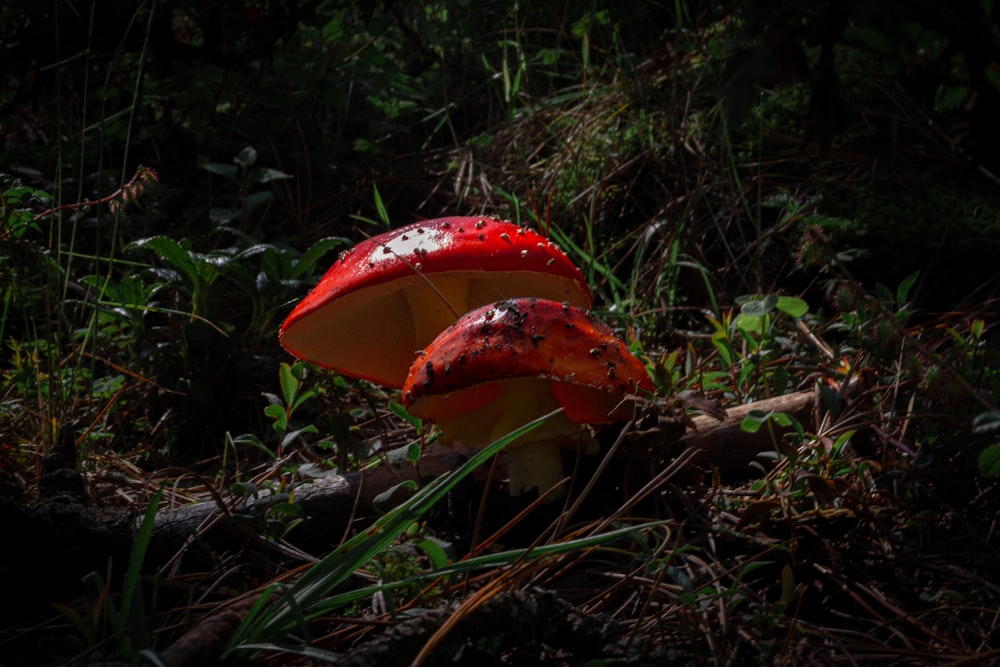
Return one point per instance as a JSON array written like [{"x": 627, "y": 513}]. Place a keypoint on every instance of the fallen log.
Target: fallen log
[
  {"x": 81, "y": 537},
  {"x": 332, "y": 503}
]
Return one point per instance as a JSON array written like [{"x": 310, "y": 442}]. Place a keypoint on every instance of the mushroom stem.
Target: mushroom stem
[
  {"x": 535, "y": 465},
  {"x": 436, "y": 306}
]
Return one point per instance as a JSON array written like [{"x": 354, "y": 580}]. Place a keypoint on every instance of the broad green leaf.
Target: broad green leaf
[
  {"x": 225, "y": 170},
  {"x": 246, "y": 157},
  {"x": 989, "y": 461},
  {"x": 754, "y": 308},
  {"x": 173, "y": 253},
  {"x": 792, "y": 306},
  {"x": 279, "y": 415}
]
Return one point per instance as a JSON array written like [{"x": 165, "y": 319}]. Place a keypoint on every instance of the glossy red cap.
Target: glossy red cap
[
  {"x": 374, "y": 309},
  {"x": 591, "y": 370}
]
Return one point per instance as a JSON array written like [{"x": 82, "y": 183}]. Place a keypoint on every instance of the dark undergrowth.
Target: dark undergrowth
[{"x": 768, "y": 204}]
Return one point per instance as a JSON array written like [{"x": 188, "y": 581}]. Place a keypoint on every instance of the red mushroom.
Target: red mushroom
[
  {"x": 392, "y": 294},
  {"x": 505, "y": 364}
]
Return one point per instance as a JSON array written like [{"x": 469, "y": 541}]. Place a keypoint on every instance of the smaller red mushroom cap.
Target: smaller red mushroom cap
[
  {"x": 390, "y": 295},
  {"x": 591, "y": 371}
]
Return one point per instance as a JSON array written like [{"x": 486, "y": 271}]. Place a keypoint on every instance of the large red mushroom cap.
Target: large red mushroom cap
[
  {"x": 390, "y": 295},
  {"x": 502, "y": 365}
]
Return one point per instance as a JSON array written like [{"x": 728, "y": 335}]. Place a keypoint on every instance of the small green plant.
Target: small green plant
[
  {"x": 120, "y": 625},
  {"x": 245, "y": 177}
]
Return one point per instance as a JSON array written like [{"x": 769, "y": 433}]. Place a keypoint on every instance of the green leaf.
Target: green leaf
[
  {"x": 754, "y": 308},
  {"x": 274, "y": 616},
  {"x": 985, "y": 423},
  {"x": 904, "y": 287},
  {"x": 792, "y": 306},
  {"x": 224, "y": 170},
  {"x": 755, "y": 325},
  {"x": 278, "y": 414},
  {"x": 255, "y": 200},
  {"x": 782, "y": 419},
  {"x": 413, "y": 453},
  {"x": 244, "y": 490},
  {"x": 292, "y": 435},
  {"x": 389, "y": 498},
  {"x": 288, "y": 509},
  {"x": 436, "y": 551},
  {"x": 753, "y": 421},
  {"x": 404, "y": 414},
  {"x": 976, "y": 328},
  {"x": 222, "y": 216},
  {"x": 173, "y": 253},
  {"x": 289, "y": 383},
  {"x": 307, "y": 262},
  {"x": 266, "y": 175},
  {"x": 989, "y": 461},
  {"x": 721, "y": 342},
  {"x": 383, "y": 214},
  {"x": 246, "y": 157}
]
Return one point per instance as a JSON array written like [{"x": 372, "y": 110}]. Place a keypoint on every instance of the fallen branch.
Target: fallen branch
[{"x": 727, "y": 446}]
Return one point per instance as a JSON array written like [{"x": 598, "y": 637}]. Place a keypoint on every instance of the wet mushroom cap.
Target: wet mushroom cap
[
  {"x": 387, "y": 297},
  {"x": 590, "y": 370}
]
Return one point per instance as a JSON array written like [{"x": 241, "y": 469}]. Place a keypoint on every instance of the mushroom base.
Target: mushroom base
[{"x": 476, "y": 417}]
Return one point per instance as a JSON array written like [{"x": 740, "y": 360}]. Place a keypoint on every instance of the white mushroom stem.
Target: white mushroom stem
[
  {"x": 535, "y": 465},
  {"x": 435, "y": 307},
  {"x": 535, "y": 459}
]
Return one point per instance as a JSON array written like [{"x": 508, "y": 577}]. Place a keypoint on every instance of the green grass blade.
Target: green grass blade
[{"x": 278, "y": 620}]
